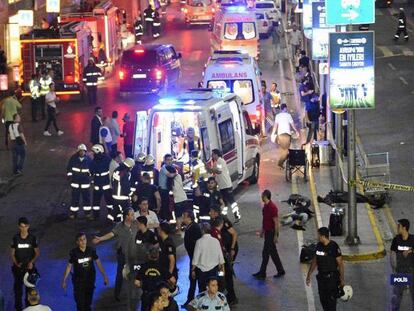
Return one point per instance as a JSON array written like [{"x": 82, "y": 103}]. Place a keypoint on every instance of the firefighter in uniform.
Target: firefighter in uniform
[
  {"x": 136, "y": 171},
  {"x": 45, "y": 81},
  {"x": 204, "y": 199},
  {"x": 211, "y": 299},
  {"x": 121, "y": 188},
  {"x": 402, "y": 26},
  {"x": 82, "y": 260},
  {"x": 328, "y": 259},
  {"x": 148, "y": 18},
  {"x": 139, "y": 30},
  {"x": 156, "y": 25},
  {"x": 34, "y": 86},
  {"x": 79, "y": 174},
  {"x": 91, "y": 74},
  {"x": 150, "y": 169},
  {"x": 101, "y": 181}
]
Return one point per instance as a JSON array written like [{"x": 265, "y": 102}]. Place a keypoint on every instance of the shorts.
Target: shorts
[{"x": 179, "y": 208}]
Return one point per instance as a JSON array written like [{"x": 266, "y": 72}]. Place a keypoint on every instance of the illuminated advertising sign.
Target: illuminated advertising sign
[
  {"x": 318, "y": 15},
  {"x": 351, "y": 70},
  {"x": 320, "y": 43},
  {"x": 25, "y": 18},
  {"x": 4, "y": 83},
  {"x": 345, "y": 12},
  {"x": 53, "y": 6},
  {"x": 307, "y": 18}
]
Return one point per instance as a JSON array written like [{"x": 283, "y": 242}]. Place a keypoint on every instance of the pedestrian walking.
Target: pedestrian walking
[
  {"x": 96, "y": 124},
  {"x": 51, "y": 99},
  {"x": 156, "y": 25},
  {"x": 221, "y": 172},
  {"x": 78, "y": 172},
  {"x": 99, "y": 170},
  {"x": 282, "y": 134},
  {"x": 91, "y": 74},
  {"x": 270, "y": 232},
  {"x": 402, "y": 26},
  {"x": 115, "y": 131},
  {"x": 276, "y": 44},
  {"x": 24, "y": 253},
  {"x": 312, "y": 119},
  {"x": 165, "y": 213},
  {"x": 45, "y": 81},
  {"x": 125, "y": 233},
  {"x": 82, "y": 260},
  {"x": 105, "y": 137},
  {"x": 268, "y": 108},
  {"x": 152, "y": 218},
  {"x": 210, "y": 299},
  {"x": 168, "y": 255},
  {"x": 33, "y": 298},
  {"x": 34, "y": 86},
  {"x": 139, "y": 30},
  {"x": 208, "y": 257},
  {"x": 330, "y": 266},
  {"x": 149, "y": 14},
  {"x": 295, "y": 39},
  {"x": 18, "y": 144},
  {"x": 191, "y": 235},
  {"x": 402, "y": 261},
  {"x": 9, "y": 108},
  {"x": 121, "y": 188},
  {"x": 128, "y": 135}
]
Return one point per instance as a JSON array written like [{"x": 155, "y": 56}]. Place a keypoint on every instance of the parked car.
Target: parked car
[{"x": 264, "y": 25}]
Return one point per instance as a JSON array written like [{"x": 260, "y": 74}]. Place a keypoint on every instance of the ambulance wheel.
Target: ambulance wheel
[{"x": 255, "y": 174}]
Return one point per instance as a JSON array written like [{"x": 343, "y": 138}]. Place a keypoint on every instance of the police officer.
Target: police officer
[
  {"x": 402, "y": 26},
  {"x": 121, "y": 187},
  {"x": 45, "y": 81},
  {"x": 402, "y": 261},
  {"x": 198, "y": 170},
  {"x": 34, "y": 86},
  {"x": 139, "y": 30},
  {"x": 204, "y": 199},
  {"x": 91, "y": 74},
  {"x": 149, "y": 167},
  {"x": 168, "y": 256},
  {"x": 136, "y": 171},
  {"x": 231, "y": 248},
  {"x": 24, "y": 252},
  {"x": 78, "y": 171},
  {"x": 149, "y": 191},
  {"x": 211, "y": 299},
  {"x": 102, "y": 183},
  {"x": 156, "y": 25},
  {"x": 330, "y": 276},
  {"x": 82, "y": 260},
  {"x": 148, "y": 18}
]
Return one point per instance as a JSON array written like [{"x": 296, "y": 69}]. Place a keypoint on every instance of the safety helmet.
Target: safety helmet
[
  {"x": 98, "y": 148},
  {"x": 140, "y": 157},
  {"x": 347, "y": 293},
  {"x": 31, "y": 278},
  {"x": 129, "y": 162},
  {"x": 174, "y": 290},
  {"x": 149, "y": 160},
  {"x": 82, "y": 147}
]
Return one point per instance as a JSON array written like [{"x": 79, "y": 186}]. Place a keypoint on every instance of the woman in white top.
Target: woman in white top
[
  {"x": 51, "y": 101},
  {"x": 105, "y": 137},
  {"x": 179, "y": 195}
]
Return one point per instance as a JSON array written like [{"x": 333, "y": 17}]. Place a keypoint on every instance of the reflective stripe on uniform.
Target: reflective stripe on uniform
[
  {"x": 205, "y": 218},
  {"x": 96, "y": 208},
  {"x": 75, "y": 169},
  {"x": 87, "y": 208},
  {"x": 74, "y": 209},
  {"x": 69, "y": 174},
  {"x": 174, "y": 219},
  {"x": 109, "y": 206},
  {"x": 85, "y": 186},
  {"x": 120, "y": 197},
  {"x": 96, "y": 188},
  {"x": 110, "y": 217},
  {"x": 224, "y": 211},
  {"x": 106, "y": 187},
  {"x": 73, "y": 185},
  {"x": 156, "y": 24},
  {"x": 102, "y": 174},
  {"x": 156, "y": 35},
  {"x": 91, "y": 83}
]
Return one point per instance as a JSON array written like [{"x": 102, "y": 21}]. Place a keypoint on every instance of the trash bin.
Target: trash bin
[{"x": 325, "y": 152}]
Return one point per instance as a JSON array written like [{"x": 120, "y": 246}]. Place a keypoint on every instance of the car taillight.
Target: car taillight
[
  {"x": 158, "y": 74},
  {"x": 121, "y": 74},
  {"x": 265, "y": 24}
]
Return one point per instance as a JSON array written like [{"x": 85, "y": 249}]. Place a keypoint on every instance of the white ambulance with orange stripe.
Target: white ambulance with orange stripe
[
  {"x": 235, "y": 28},
  {"x": 219, "y": 121}
]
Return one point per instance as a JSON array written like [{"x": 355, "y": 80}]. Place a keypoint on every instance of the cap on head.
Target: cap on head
[
  {"x": 82, "y": 147},
  {"x": 98, "y": 149},
  {"x": 129, "y": 162}
]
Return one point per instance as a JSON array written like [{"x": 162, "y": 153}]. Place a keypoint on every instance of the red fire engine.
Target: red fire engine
[{"x": 65, "y": 51}]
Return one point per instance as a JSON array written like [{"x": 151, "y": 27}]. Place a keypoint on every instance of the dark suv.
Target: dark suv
[{"x": 149, "y": 68}]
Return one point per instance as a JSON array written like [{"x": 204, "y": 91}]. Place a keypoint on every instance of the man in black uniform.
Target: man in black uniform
[
  {"x": 203, "y": 200},
  {"x": 330, "y": 276},
  {"x": 149, "y": 14},
  {"x": 402, "y": 26},
  {"x": 139, "y": 30},
  {"x": 149, "y": 168},
  {"x": 168, "y": 256},
  {"x": 82, "y": 259},
  {"x": 91, "y": 74},
  {"x": 147, "y": 190},
  {"x": 191, "y": 235},
  {"x": 24, "y": 252},
  {"x": 231, "y": 247},
  {"x": 136, "y": 171},
  {"x": 402, "y": 260}
]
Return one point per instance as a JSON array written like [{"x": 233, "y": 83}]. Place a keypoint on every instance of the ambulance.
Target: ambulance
[
  {"x": 219, "y": 122},
  {"x": 237, "y": 73},
  {"x": 235, "y": 28},
  {"x": 198, "y": 12}
]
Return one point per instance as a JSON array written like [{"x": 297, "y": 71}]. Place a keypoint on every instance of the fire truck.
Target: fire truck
[
  {"x": 104, "y": 22},
  {"x": 65, "y": 51}
]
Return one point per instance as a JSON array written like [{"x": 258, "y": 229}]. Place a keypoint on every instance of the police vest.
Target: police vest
[
  {"x": 45, "y": 85},
  {"x": 34, "y": 87}
]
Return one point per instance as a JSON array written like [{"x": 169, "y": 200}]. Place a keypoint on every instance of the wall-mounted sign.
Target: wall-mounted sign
[
  {"x": 53, "y": 6},
  {"x": 345, "y": 12},
  {"x": 25, "y": 18}
]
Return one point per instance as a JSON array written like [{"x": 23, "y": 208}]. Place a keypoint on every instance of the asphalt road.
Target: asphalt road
[{"x": 42, "y": 194}]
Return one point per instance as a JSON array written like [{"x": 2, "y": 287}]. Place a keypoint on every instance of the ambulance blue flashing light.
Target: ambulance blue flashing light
[
  {"x": 168, "y": 101},
  {"x": 236, "y": 9}
]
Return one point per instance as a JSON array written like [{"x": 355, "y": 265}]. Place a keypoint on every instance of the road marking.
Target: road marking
[
  {"x": 403, "y": 80},
  {"x": 406, "y": 51},
  {"x": 385, "y": 50},
  {"x": 391, "y": 66}
]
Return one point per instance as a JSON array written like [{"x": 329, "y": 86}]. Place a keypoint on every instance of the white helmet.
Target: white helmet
[
  {"x": 98, "y": 148},
  {"x": 149, "y": 160},
  {"x": 348, "y": 292},
  {"x": 82, "y": 147},
  {"x": 140, "y": 157},
  {"x": 129, "y": 162}
]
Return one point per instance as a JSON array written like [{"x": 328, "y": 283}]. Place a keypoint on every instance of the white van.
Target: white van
[
  {"x": 235, "y": 28},
  {"x": 237, "y": 73},
  {"x": 198, "y": 12},
  {"x": 219, "y": 122}
]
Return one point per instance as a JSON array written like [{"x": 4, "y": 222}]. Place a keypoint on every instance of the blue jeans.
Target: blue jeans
[{"x": 19, "y": 154}]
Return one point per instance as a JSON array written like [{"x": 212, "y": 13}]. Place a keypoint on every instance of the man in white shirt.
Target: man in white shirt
[
  {"x": 115, "y": 131},
  {"x": 295, "y": 39},
  {"x": 152, "y": 218},
  {"x": 208, "y": 260},
  {"x": 282, "y": 129},
  {"x": 222, "y": 175},
  {"x": 34, "y": 302}
]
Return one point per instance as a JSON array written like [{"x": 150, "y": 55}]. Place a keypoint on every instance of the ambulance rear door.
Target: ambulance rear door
[{"x": 141, "y": 133}]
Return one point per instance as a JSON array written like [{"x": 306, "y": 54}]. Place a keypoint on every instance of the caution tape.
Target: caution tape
[{"x": 395, "y": 187}]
